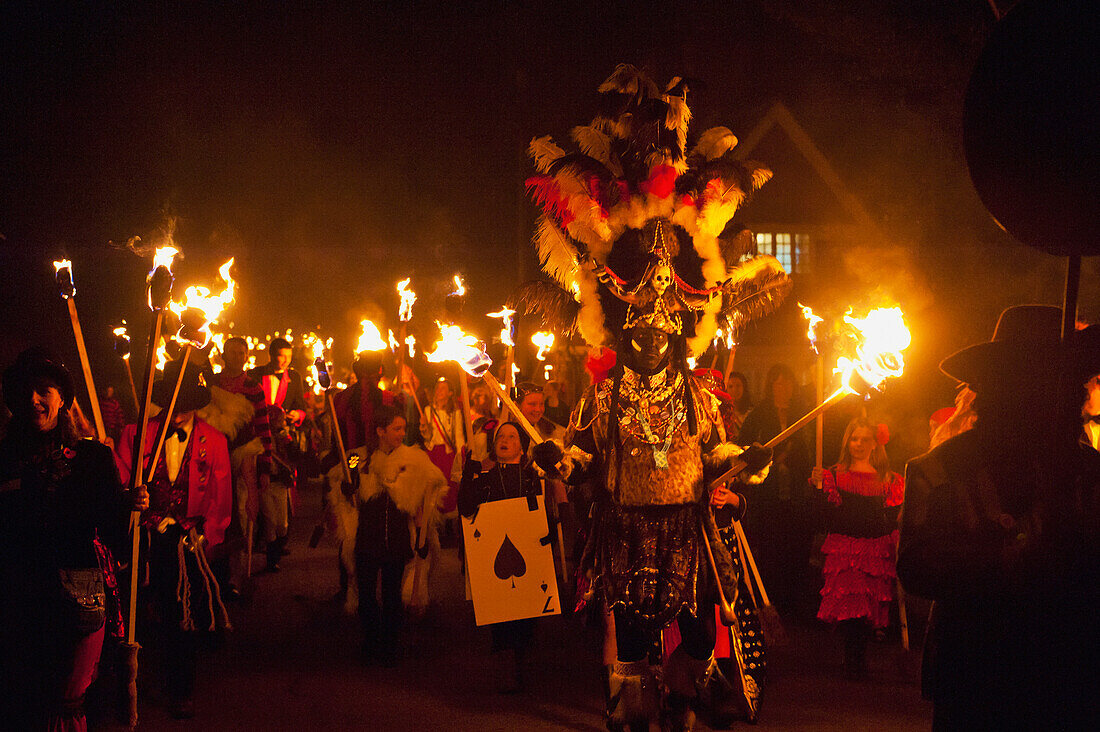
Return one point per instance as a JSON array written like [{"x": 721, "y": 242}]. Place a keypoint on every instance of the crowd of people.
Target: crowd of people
[{"x": 397, "y": 479}]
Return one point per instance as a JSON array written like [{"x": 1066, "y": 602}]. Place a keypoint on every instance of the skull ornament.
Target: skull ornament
[{"x": 662, "y": 278}]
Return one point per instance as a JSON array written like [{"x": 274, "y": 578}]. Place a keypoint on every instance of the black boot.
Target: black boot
[{"x": 274, "y": 554}]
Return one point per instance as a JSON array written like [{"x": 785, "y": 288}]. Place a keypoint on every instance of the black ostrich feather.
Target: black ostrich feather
[{"x": 555, "y": 308}]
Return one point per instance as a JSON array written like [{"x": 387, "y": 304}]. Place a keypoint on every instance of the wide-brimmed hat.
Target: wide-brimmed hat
[
  {"x": 1026, "y": 343},
  {"x": 193, "y": 393},
  {"x": 32, "y": 366}
]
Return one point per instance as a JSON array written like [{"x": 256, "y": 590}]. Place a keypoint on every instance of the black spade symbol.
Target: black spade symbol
[
  {"x": 477, "y": 533},
  {"x": 544, "y": 586},
  {"x": 509, "y": 562}
]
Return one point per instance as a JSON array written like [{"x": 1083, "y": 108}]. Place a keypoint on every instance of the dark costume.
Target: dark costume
[
  {"x": 62, "y": 512},
  {"x": 780, "y": 526},
  {"x": 1001, "y": 528},
  {"x": 498, "y": 483}
]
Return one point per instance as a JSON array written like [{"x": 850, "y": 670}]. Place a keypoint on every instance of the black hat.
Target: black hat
[
  {"x": 32, "y": 365},
  {"x": 193, "y": 393},
  {"x": 524, "y": 438},
  {"x": 1026, "y": 342}
]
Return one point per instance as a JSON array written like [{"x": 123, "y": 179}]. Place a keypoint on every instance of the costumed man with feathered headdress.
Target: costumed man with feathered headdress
[{"x": 634, "y": 233}]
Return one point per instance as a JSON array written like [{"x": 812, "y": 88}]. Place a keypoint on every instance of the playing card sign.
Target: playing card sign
[{"x": 510, "y": 561}]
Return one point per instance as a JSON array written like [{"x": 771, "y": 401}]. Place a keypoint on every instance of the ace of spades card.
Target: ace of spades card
[{"x": 510, "y": 561}]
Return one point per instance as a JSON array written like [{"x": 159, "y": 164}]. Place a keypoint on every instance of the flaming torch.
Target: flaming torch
[
  {"x": 404, "y": 315},
  {"x": 199, "y": 310},
  {"x": 813, "y": 320},
  {"x": 159, "y": 282},
  {"x": 880, "y": 338},
  {"x": 63, "y": 273},
  {"x": 122, "y": 349},
  {"x": 465, "y": 350},
  {"x": 508, "y": 338}
]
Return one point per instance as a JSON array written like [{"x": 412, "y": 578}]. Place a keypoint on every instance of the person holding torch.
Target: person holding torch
[{"x": 62, "y": 516}]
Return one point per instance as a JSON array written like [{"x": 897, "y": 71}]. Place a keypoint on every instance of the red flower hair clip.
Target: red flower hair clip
[{"x": 882, "y": 433}]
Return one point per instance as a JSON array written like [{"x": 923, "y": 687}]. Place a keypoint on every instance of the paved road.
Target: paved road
[{"x": 292, "y": 664}]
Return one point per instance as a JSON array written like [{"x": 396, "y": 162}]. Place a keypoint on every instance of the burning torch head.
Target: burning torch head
[
  {"x": 323, "y": 378},
  {"x": 193, "y": 328},
  {"x": 160, "y": 278},
  {"x": 122, "y": 341},
  {"x": 64, "y": 275}
]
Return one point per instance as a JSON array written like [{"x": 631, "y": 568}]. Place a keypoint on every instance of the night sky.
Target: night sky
[{"x": 336, "y": 150}]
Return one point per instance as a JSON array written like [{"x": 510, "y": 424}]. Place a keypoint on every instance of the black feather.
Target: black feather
[
  {"x": 747, "y": 298},
  {"x": 734, "y": 242},
  {"x": 555, "y": 308}
]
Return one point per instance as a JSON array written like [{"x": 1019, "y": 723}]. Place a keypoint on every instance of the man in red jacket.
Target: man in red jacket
[{"x": 190, "y": 498}]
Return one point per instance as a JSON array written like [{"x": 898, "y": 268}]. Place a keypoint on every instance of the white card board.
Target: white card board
[{"x": 510, "y": 562}]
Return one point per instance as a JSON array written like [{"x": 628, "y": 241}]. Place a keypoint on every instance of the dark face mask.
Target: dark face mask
[{"x": 648, "y": 349}]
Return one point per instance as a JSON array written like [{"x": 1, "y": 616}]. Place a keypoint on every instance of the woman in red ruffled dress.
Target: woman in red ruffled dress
[{"x": 864, "y": 498}]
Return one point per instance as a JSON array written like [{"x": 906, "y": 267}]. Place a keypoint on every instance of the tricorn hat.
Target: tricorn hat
[
  {"x": 194, "y": 394},
  {"x": 31, "y": 366},
  {"x": 1026, "y": 342}
]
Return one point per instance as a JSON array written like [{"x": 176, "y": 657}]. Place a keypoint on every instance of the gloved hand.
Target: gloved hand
[
  {"x": 347, "y": 488},
  {"x": 547, "y": 455},
  {"x": 756, "y": 457}
]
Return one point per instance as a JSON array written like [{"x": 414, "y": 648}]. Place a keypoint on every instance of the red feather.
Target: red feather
[{"x": 661, "y": 181}]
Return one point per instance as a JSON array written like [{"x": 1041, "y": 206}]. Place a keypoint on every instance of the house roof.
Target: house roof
[{"x": 805, "y": 189}]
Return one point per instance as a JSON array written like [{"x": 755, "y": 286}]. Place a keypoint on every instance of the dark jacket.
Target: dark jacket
[
  {"x": 480, "y": 486},
  {"x": 55, "y": 498},
  {"x": 1013, "y": 637}
]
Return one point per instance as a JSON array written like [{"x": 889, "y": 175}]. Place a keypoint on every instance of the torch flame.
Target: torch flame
[
  {"x": 209, "y": 304},
  {"x": 63, "y": 264},
  {"x": 464, "y": 349},
  {"x": 393, "y": 342},
  {"x": 544, "y": 341},
  {"x": 411, "y": 343},
  {"x": 507, "y": 331},
  {"x": 880, "y": 336},
  {"x": 813, "y": 320},
  {"x": 408, "y": 297},
  {"x": 164, "y": 256},
  {"x": 460, "y": 287},
  {"x": 370, "y": 339}
]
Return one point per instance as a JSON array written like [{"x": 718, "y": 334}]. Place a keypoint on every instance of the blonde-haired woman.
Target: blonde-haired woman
[{"x": 860, "y": 550}]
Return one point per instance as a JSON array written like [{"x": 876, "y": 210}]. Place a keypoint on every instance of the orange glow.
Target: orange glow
[
  {"x": 209, "y": 304},
  {"x": 462, "y": 348},
  {"x": 370, "y": 339},
  {"x": 505, "y": 314},
  {"x": 544, "y": 341},
  {"x": 408, "y": 298},
  {"x": 880, "y": 338},
  {"x": 813, "y": 320},
  {"x": 460, "y": 287}
]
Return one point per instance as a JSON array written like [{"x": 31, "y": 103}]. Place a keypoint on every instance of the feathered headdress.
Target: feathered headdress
[{"x": 635, "y": 226}]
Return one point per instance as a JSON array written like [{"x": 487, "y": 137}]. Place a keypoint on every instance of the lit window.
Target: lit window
[
  {"x": 783, "y": 251},
  {"x": 792, "y": 250}
]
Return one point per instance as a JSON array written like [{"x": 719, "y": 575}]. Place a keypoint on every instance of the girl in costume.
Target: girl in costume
[
  {"x": 860, "y": 550},
  {"x": 445, "y": 437},
  {"x": 507, "y": 474}
]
